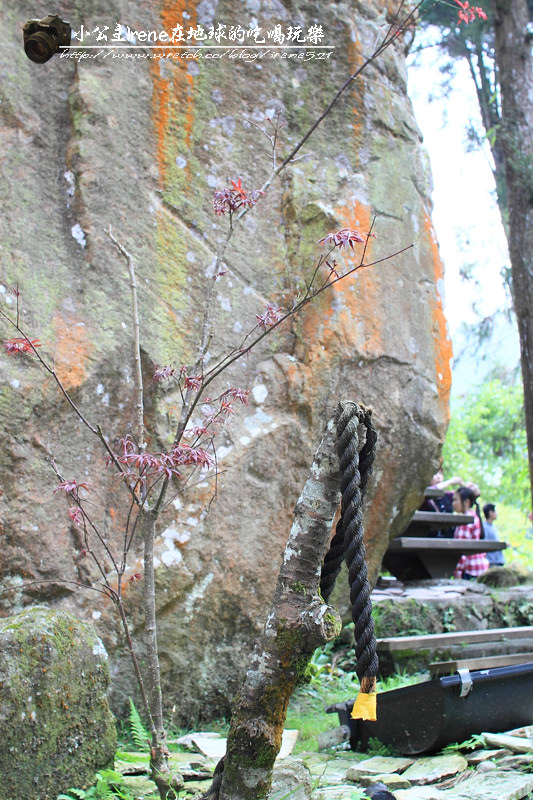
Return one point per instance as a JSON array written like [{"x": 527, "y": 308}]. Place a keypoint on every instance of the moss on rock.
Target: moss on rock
[{"x": 55, "y": 722}]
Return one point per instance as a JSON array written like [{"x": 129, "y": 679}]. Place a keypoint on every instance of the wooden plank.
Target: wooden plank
[
  {"x": 430, "y": 491},
  {"x": 485, "y": 662},
  {"x": 440, "y": 519},
  {"x": 460, "y": 546},
  {"x": 433, "y": 640}
]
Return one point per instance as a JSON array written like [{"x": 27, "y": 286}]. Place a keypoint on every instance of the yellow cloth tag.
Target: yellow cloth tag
[{"x": 365, "y": 706}]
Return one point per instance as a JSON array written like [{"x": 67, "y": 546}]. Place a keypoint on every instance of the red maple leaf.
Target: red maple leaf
[
  {"x": 193, "y": 382},
  {"x": 270, "y": 317},
  {"x": 238, "y": 394},
  {"x": 163, "y": 372},
  {"x": 469, "y": 13},
  {"x": 71, "y": 487},
  {"x": 343, "y": 238},
  {"x": 76, "y": 515},
  {"x": 20, "y": 344}
]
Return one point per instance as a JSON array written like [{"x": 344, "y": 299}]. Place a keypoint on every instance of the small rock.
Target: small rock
[
  {"x": 486, "y": 766},
  {"x": 378, "y": 791},
  {"x": 291, "y": 779},
  {"x": 435, "y": 768},
  {"x": 210, "y": 747},
  {"x": 515, "y": 762},
  {"x": 202, "y": 766},
  {"x": 483, "y": 755},
  {"x": 492, "y": 786},
  {"x": 515, "y": 744},
  {"x": 526, "y": 731},
  {"x": 391, "y": 781},
  {"x": 332, "y": 772},
  {"x": 378, "y": 765},
  {"x": 477, "y": 588},
  {"x": 343, "y": 792},
  {"x": 187, "y": 741}
]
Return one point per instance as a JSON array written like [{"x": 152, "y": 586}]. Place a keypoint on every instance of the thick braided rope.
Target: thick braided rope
[
  {"x": 352, "y": 516},
  {"x": 337, "y": 549},
  {"x": 368, "y": 452},
  {"x": 335, "y": 555}
]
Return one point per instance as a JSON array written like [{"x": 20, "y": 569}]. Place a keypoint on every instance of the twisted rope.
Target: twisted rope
[
  {"x": 356, "y": 469},
  {"x": 335, "y": 555}
]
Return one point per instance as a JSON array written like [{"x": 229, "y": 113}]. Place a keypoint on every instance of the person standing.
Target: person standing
[
  {"x": 495, "y": 558},
  {"x": 472, "y": 566}
]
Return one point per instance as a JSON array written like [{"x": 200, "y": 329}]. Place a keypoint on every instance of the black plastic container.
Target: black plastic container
[{"x": 427, "y": 716}]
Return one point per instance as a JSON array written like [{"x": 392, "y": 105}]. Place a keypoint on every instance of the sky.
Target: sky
[{"x": 465, "y": 214}]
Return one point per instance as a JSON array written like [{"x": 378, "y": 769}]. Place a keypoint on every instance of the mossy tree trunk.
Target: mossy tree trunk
[{"x": 299, "y": 621}]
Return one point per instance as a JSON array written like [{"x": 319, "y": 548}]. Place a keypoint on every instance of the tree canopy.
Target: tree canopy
[{"x": 486, "y": 443}]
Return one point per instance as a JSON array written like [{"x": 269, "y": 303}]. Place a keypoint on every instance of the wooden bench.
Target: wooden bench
[
  {"x": 517, "y": 639},
  {"x": 423, "y": 522},
  {"x": 417, "y": 558},
  {"x": 419, "y": 554}
]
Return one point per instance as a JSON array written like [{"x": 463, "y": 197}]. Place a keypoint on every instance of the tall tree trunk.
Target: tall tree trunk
[
  {"x": 168, "y": 784},
  {"x": 298, "y": 623},
  {"x": 514, "y": 63}
]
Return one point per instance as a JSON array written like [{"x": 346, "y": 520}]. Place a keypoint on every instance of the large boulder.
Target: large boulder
[
  {"x": 56, "y": 729},
  {"x": 140, "y": 144}
]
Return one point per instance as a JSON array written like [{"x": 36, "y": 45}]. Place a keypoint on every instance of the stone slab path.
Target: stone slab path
[{"x": 501, "y": 768}]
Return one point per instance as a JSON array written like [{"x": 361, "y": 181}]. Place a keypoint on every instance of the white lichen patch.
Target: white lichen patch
[
  {"x": 99, "y": 649},
  {"x": 197, "y": 592},
  {"x": 69, "y": 177},
  {"x": 260, "y": 393},
  {"x": 171, "y": 556},
  {"x": 78, "y": 234},
  {"x": 259, "y": 423},
  {"x": 222, "y": 452},
  {"x": 173, "y": 539}
]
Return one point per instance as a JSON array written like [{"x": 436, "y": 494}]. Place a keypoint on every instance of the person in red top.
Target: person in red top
[{"x": 469, "y": 567}]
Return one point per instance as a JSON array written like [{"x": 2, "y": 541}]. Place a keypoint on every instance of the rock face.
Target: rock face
[
  {"x": 139, "y": 144},
  {"x": 55, "y": 724}
]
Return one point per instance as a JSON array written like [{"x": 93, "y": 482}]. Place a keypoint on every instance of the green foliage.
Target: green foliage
[
  {"x": 376, "y": 748},
  {"x": 131, "y": 758},
  {"x": 109, "y": 785},
  {"x": 320, "y": 664},
  {"x": 514, "y": 527},
  {"x": 334, "y": 681},
  {"x": 486, "y": 443},
  {"x": 140, "y": 735},
  {"x": 473, "y": 743}
]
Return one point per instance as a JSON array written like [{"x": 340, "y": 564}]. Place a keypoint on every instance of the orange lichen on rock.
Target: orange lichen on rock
[
  {"x": 72, "y": 351},
  {"x": 443, "y": 345},
  {"x": 350, "y": 318},
  {"x": 172, "y": 97},
  {"x": 361, "y": 306},
  {"x": 160, "y": 113}
]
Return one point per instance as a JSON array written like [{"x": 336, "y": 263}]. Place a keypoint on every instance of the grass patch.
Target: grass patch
[{"x": 331, "y": 680}]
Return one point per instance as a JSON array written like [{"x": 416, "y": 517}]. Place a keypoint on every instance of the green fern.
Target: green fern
[
  {"x": 474, "y": 742},
  {"x": 140, "y": 735},
  {"x": 108, "y": 786}
]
